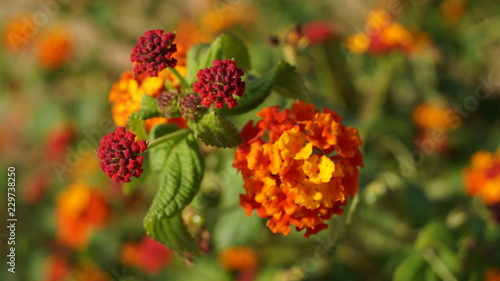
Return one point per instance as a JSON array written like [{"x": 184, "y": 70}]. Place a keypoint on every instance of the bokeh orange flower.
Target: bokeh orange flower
[
  {"x": 382, "y": 35},
  {"x": 57, "y": 268},
  {"x": 187, "y": 35},
  {"x": 58, "y": 139},
  {"x": 80, "y": 210},
  {"x": 453, "y": 10},
  {"x": 239, "y": 258},
  {"x": 434, "y": 121},
  {"x": 435, "y": 116},
  {"x": 149, "y": 255},
  {"x": 482, "y": 178},
  {"x": 87, "y": 270},
  {"x": 299, "y": 166},
  {"x": 221, "y": 16},
  {"x": 18, "y": 30},
  {"x": 54, "y": 47},
  {"x": 492, "y": 274}
]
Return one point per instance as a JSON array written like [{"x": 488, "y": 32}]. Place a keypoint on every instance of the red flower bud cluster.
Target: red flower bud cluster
[
  {"x": 119, "y": 154},
  {"x": 153, "y": 52},
  {"x": 218, "y": 83}
]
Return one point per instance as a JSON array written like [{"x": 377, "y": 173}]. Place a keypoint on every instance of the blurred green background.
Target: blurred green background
[{"x": 411, "y": 219}]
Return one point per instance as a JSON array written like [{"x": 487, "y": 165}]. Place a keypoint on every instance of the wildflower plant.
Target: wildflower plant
[{"x": 299, "y": 165}]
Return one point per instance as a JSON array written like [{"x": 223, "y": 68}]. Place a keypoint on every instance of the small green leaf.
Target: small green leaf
[
  {"x": 149, "y": 109},
  {"x": 288, "y": 83},
  {"x": 215, "y": 130},
  {"x": 172, "y": 232},
  {"x": 227, "y": 46},
  {"x": 179, "y": 166},
  {"x": 193, "y": 61},
  {"x": 149, "y": 105}
]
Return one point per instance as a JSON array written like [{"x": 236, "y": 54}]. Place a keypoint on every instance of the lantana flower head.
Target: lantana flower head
[
  {"x": 218, "y": 83},
  {"x": 153, "y": 52},
  {"x": 299, "y": 166},
  {"x": 120, "y": 155}
]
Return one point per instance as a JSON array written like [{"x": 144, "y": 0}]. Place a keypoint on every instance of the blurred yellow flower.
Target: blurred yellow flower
[
  {"x": 395, "y": 34},
  {"x": 358, "y": 43},
  {"x": 377, "y": 19}
]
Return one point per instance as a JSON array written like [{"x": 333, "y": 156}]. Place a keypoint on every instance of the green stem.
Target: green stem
[
  {"x": 383, "y": 77},
  {"x": 352, "y": 208},
  {"x": 438, "y": 266},
  {"x": 167, "y": 137},
  {"x": 183, "y": 82}
]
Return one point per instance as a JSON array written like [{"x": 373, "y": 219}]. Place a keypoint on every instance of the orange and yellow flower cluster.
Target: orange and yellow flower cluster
[
  {"x": 299, "y": 166},
  {"x": 382, "y": 35},
  {"x": 127, "y": 93},
  {"x": 482, "y": 178}
]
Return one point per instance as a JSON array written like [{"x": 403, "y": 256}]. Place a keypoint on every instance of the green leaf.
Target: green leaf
[
  {"x": 193, "y": 61},
  {"x": 225, "y": 234},
  {"x": 149, "y": 109},
  {"x": 227, "y": 46},
  {"x": 179, "y": 166},
  {"x": 416, "y": 205},
  {"x": 215, "y": 130},
  {"x": 288, "y": 83},
  {"x": 172, "y": 232},
  {"x": 149, "y": 105},
  {"x": 434, "y": 234},
  {"x": 411, "y": 268}
]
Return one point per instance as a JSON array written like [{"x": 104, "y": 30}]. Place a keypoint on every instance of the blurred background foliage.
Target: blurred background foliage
[{"x": 419, "y": 79}]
